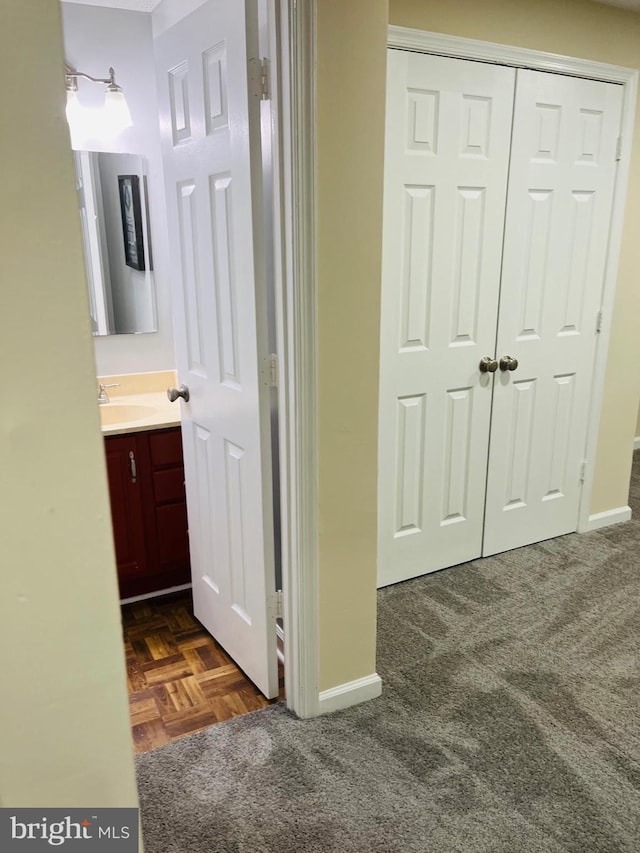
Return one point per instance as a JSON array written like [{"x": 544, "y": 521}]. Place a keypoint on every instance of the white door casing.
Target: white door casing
[
  {"x": 448, "y": 129},
  {"x": 561, "y": 182},
  {"x": 208, "y": 78}
]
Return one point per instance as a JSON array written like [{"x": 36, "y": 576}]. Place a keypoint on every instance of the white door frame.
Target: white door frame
[
  {"x": 422, "y": 41},
  {"x": 292, "y": 32}
]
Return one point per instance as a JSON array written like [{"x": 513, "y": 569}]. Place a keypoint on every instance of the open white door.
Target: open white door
[{"x": 208, "y": 78}]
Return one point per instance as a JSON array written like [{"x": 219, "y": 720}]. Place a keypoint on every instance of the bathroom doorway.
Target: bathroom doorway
[{"x": 145, "y": 610}]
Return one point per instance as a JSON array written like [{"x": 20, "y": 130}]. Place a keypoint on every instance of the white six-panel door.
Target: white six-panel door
[
  {"x": 210, "y": 126},
  {"x": 561, "y": 179},
  {"x": 447, "y": 152},
  {"x": 444, "y": 285}
]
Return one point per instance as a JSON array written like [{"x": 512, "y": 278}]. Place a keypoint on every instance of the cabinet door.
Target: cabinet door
[
  {"x": 448, "y": 131},
  {"x": 148, "y": 511},
  {"x": 126, "y": 507},
  {"x": 167, "y": 507},
  {"x": 561, "y": 182}
]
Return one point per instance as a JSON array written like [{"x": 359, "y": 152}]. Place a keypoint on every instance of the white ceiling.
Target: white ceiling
[{"x": 131, "y": 5}]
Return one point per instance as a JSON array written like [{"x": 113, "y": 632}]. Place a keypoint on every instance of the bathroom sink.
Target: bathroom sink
[{"x": 122, "y": 413}]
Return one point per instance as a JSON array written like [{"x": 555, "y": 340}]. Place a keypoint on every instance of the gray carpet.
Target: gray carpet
[{"x": 509, "y": 722}]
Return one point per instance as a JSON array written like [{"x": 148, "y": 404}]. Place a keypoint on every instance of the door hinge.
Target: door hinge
[
  {"x": 583, "y": 470},
  {"x": 279, "y": 604},
  {"x": 619, "y": 148},
  {"x": 259, "y": 78},
  {"x": 270, "y": 371},
  {"x": 599, "y": 321}
]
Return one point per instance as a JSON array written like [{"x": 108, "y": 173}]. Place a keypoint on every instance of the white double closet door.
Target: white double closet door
[{"x": 497, "y": 203}]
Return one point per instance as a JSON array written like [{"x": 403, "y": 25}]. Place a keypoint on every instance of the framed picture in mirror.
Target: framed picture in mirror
[{"x": 129, "y": 187}]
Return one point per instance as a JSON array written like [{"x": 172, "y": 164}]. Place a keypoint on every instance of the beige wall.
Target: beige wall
[
  {"x": 351, "y": 44},
  {"x": 351, "y": 48},
  {"x": 64, "y": 731},
  {"x": 588, "y": 30}
]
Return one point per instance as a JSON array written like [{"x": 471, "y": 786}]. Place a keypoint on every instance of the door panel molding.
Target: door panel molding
[{"x": 461, "y": 48}]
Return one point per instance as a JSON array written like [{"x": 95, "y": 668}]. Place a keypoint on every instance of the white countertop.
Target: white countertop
[
  {"x": 138, "y": 402},
  {"x": 138, "y": 412}
]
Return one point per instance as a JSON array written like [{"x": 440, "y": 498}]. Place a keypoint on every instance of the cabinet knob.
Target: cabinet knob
[{"x": 174, "y": 393}]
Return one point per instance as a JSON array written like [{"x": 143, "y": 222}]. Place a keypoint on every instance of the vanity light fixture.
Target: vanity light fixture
[{"x": 116, "y": 113}]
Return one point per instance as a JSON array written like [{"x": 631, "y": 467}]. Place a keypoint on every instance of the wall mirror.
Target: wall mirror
[{"x": 115, "y": 227}]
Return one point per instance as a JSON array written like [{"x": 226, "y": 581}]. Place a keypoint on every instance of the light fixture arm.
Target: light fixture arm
[{"x": 72, "y": 78}]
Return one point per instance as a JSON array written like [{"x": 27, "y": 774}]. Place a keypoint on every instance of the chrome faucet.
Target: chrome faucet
[{"x": 103, "y": 397}]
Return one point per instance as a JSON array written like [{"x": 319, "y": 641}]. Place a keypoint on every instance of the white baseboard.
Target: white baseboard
[
  {"x": 155, "y": 594},
  {"x": 351, "y": 693},
  {"x": 610, "y": 516},
  {"x": 636, "y": 442}
]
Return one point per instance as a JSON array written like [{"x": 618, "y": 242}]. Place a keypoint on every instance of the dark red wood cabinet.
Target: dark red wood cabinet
[{"x": 149, "y": 510}]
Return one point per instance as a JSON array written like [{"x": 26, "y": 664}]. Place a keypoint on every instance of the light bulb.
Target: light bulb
[
  {"x": 116, "y": 110},
  {"x": 73, "y": 108}
]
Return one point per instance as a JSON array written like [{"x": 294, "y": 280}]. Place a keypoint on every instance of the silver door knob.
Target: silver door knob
[
  {"x": 488, "y": 364},
  {"x": 174, "y": 393},
  {"x": 508, "y": 363}
]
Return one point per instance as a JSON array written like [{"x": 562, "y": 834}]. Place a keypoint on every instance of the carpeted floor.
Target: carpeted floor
[{"x": 509, "y": 722}]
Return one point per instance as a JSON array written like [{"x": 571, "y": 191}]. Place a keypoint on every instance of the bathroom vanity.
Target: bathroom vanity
[{"x": 145, "y": 470}]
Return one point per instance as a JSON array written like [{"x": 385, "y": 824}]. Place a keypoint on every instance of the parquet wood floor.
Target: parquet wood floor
[{"x": 180, "y": 680}]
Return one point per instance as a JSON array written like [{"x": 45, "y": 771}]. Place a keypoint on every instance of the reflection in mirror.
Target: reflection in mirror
[{"x": 115, "y": 228}]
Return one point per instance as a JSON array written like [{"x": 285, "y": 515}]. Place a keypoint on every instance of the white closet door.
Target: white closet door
[
  {"x": 562, "y": 170},
  {"x": 448, "y": 130}
]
